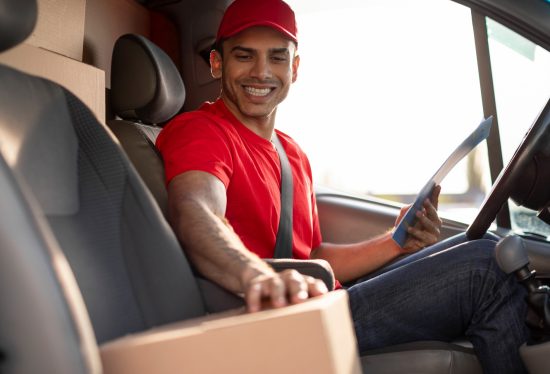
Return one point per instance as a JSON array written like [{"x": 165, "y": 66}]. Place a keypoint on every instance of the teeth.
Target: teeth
[{"x": 257, "y": 91}]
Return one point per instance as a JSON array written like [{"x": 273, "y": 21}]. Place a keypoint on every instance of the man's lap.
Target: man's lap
[{"x": 420, "y": 292}]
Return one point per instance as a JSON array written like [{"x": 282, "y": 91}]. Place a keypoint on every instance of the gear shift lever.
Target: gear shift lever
[{"x": 512, "y": 257}]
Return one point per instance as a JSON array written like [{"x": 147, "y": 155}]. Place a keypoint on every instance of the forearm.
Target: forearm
[
  {"x": 213, "y": 247},
  {"x": 352, "y": 261},
  {"x": 197, "y": 203}
]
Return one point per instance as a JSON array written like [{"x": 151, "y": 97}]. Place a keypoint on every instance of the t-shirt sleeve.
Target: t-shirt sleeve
[{"x": 191, "y": 142}]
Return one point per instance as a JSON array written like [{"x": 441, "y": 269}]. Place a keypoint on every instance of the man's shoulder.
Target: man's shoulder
[
  {"x": 201, "y": 123},
  {"x": 205, "y": 113},
  {"x": 289, "y": 143},
  {"x": 199, "y": 120}
]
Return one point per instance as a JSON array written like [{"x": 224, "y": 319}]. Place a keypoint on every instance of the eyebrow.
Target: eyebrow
[
  {"x": 242, "y": 49},
  {"x": 252, "y": 50}
]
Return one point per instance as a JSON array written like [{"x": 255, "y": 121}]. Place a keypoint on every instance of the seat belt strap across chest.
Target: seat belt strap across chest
[{"x": 283, "y": 244}]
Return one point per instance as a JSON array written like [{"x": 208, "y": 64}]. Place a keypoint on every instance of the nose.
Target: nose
[{"x": 261, "y": 68}]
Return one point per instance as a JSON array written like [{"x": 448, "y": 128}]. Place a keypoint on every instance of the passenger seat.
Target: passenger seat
[{"x": 146, "y": 90}]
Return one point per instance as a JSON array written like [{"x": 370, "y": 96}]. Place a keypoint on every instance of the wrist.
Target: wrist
[{"x": 392, "y": 245}]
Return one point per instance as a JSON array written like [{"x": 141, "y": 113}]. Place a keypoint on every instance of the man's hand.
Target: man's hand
[
  {"x": 426, "y": 231},
  {"x": 281, "y": 289}
]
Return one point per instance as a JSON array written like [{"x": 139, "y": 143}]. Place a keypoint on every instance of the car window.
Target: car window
[
  {"x": 521, "y": 76},
  {"x": 385, "y": 91}
]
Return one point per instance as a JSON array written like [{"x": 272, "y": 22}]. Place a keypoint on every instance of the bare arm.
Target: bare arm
[
  {"x": 197, "y": 203},
  {"x": 351, "y": 261}
]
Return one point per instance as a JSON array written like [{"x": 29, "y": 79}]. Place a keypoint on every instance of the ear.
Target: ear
[
  {"x": 295, "y": 64},
  {"x": 215, "y": 64}
]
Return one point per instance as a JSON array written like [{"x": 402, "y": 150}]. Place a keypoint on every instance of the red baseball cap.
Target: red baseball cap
[{"x": 242, "y": 14}]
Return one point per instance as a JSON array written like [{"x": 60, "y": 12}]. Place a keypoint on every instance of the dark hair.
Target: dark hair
[
  {"x": 218, "y": 46},
  {"x": 205, "y": 52}
]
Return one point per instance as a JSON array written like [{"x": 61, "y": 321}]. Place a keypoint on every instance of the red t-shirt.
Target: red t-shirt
[{"x": 213, "y": 140}]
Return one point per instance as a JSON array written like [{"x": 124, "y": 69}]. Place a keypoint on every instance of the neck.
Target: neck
[{"x": 262, "y": 126}]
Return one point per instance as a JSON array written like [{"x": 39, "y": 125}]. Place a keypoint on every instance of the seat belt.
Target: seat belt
[{"x": 283, "y": 244}]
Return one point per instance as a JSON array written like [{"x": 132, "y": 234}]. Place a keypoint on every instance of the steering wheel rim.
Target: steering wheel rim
[{"x": 537, "y": 139}]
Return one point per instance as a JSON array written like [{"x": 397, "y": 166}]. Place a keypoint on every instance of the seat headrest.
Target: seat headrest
[
  {"x": 145, "y": 83},
  {"x": 17, "y": 20}
]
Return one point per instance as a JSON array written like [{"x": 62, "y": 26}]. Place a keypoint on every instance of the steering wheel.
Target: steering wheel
[{"x": 516, "y": 176}]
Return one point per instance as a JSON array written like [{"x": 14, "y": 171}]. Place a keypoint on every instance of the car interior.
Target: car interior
[{"x": 87, "y": 255}]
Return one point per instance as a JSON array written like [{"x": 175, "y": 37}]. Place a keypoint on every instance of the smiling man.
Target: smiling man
[
  {"x": 224, "y": 180},
  {"x": 258, "y": 67}
]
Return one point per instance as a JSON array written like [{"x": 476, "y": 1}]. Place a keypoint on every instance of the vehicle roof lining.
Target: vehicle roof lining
[{"x": 530, "y": 18}]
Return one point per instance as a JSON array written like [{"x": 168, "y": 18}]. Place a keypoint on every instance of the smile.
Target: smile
[{"x": 257, "y": 91}]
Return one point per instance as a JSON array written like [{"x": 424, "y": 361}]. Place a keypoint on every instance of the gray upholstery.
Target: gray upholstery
[
  {"x": 44, "y": 155},
  {"x": 421, "y": 357},
  {"x": 43, "y": 323},
  {"x": 146, "y": 89},
  {"x": 128, "y": 264},
  {"x": 145, "y": 83},
  {"x": 17, "y": 20},
  {"x": 137, "y": 141},
  {"x": 319, "y": 269},
  {"x": 38, "y": 333}
]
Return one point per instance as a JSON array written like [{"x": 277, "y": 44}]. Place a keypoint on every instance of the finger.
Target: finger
[
  {"x": 315, "y": 286},
  {"x": 427, "y": 205},
  {"x": 253, "y": 297},
  {"x": 268, "y": 288},
  {"x": 402, "y": 213},
  {"x": 424, "y": 236},
  {"x": 427, "y": 224},
  {"x": 296, "y": 286},
  {"x": 412, "y": 245},
  {"x": 424, "y": 229},
  {"x": 430, "y": 210},
  {"x": 276, "y": 292},
  {"x": 435, "y": 196}
]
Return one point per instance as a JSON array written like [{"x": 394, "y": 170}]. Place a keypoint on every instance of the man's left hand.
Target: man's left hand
[{"x": 427, "y": 229}]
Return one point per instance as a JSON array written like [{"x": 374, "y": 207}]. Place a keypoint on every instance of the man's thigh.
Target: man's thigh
[{"x": 429, "y": 298}]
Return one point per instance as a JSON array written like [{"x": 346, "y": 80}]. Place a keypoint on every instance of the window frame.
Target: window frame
[{"x": 534, "y": 25}]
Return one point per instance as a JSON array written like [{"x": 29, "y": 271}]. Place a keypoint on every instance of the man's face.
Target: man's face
[{"x": 257, "y": 68}]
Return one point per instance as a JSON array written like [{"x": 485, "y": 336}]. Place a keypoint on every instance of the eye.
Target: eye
[
  {"x": 279, "y": 58},
  {"x": 243, "y": 57}
]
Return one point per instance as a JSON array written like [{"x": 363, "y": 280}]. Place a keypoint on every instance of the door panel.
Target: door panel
[{"x": 346, "y": 219}]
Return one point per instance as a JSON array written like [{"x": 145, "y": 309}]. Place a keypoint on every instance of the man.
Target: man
[{"x": 223, "y": 176}]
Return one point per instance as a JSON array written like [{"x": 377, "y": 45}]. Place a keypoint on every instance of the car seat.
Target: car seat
[
  {"x": 43, "y": 320},
  {"x": 68, "y": 185},
  {"x": 126, "y": 260}
]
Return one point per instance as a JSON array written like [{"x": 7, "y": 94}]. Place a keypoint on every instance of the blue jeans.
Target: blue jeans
[{"x": 443, "y": 293}]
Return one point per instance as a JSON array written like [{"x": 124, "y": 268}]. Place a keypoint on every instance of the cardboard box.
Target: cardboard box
[
  {"x": 85, "y": 81},
  {"x": 60, "y": 27},
  {"x": 313, "y": 337},
  {"x": 106, "y": 21}
]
